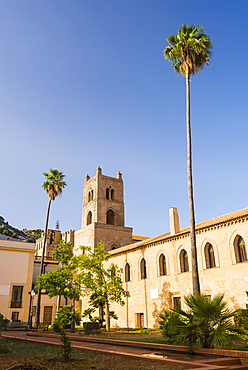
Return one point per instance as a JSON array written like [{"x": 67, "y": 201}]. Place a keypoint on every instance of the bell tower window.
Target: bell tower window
[
  {"x": 110, "y": 217},
  {"x": 89, "y": 218},
  {"x": 90, "y": 195},
  {"x": 110, "y": 193}
]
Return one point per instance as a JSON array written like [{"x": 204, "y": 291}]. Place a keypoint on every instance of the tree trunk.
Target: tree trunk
[
  {"x": 101, "y": 313},
  {"x": 37, "y": 315},
  {"x": 58, "y": 303},
  {"x": 107, "y": 316},
  {"x": 195, "y": 273}
]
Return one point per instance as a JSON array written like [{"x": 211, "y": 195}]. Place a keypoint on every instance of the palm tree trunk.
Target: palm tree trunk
[
  {"x": 195, "y": 273},
  {"x": 37, "y": 316}
]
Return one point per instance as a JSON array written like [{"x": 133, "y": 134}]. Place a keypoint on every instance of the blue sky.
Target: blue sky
[{"x": 83, "y": 84}]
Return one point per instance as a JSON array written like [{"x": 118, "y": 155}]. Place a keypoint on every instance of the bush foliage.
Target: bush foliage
[{"x": 207, "y": 323}]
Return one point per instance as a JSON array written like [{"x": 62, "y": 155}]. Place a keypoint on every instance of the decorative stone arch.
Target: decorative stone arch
[
  {"x": 206, "y": 259},
  {"x": 89, "y": 218},
  {"x": 233, "y": 244},
  {"x": 183, "y": 265},
  {"x": 113, "y": 247},
  {"x": 162, "y": 259},
  {"x": 110, "y": 217},
  {"x": 143, "y": 268}
]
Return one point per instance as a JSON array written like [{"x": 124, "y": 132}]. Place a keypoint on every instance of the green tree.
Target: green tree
[
  {"x": 207, "y": 323},
  {"x": 64, "y": 316},
  {"x": 85, "y": 274},
  {"x": 61, "y": 281},
  {"x": 102, "y": 283},
  {"x": 54, "y": 186},
  {"x": 65, "y": 348},
  {"x": 189, "y": 51}
]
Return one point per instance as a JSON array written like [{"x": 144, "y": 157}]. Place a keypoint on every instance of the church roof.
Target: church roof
[{"x": 230, "y": 217}]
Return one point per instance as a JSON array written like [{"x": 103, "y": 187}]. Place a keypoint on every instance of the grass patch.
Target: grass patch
[{"x": 36, "y": 356}]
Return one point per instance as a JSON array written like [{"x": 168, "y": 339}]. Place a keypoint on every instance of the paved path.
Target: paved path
[{"x": 132, "y": 351}]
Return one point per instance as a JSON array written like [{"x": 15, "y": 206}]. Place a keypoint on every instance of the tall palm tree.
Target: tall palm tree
[
  {"x": 54, "y": 186},
  {"x": 188, "y": 52}
]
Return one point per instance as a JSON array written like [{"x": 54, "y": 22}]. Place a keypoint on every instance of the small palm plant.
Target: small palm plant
[{"x": 207, "y": 323}]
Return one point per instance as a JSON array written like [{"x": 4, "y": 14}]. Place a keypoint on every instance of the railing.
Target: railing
[
  {"x": 38, "y": 258},
  {"x": 16, "y": 304}
]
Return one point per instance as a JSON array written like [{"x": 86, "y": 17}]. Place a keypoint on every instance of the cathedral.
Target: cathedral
[{"x": 156, "y": 271}]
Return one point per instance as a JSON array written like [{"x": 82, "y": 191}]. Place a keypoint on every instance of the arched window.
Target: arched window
[
  {"x": 110, "y": 219},
  {"x": 90, "y": 195},
  {"x": 112, "y": 194},
  {"x": 184, "y": 261},
  {"x": 143, "y": 273},
  {"x": 113, "y": 247},
  {"x": 89, "y": 218},
  {"x": 127, "y": 272},
  {"x": 162, "y": 265},
  {"x": 51, "y": 237},
  {"x": 240, "y": 249},
  {"x": 209, "y": 256}
]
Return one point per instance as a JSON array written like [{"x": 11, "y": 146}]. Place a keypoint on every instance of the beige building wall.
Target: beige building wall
[
  {"x": 150, "y": 296},
  {"x": 16, "y": 266}
]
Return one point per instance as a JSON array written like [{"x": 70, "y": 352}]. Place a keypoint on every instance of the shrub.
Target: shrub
[
  {"x": 207, "y": 323},
  {"x": 3, "y": 321},
  {"x": 241, "y": 318},
  {"x": 66, "y": 348},
  {"x": 63, "y": 317}
]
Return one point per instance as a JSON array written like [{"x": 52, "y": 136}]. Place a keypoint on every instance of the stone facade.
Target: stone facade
[
  {"x": 222, "y": 260},
  {"x": 52, "y": 241},
  {"x": 103, "y": 213},
  {"x": 157, "y": 271}
]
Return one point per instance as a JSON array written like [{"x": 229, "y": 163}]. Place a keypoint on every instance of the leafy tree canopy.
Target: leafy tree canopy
[{"x": 84, "y": 274}]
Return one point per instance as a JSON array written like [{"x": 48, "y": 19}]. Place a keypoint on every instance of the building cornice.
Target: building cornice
[{"x": 206, "y": 226}]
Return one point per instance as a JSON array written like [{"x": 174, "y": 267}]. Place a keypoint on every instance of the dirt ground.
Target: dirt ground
[{"x": 22, "y": 355}]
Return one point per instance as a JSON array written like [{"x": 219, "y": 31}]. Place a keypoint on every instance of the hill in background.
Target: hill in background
[{"x": 25, "y": 235}]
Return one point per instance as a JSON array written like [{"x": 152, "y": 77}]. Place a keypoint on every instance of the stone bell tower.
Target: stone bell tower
[{"x": 103, "y": 213}]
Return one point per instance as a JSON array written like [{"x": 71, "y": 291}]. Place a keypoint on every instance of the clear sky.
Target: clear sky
[{"x": 83, "y": 83}]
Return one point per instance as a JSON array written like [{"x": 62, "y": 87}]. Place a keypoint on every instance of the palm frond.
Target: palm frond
[{"x": 189, "y": 50}]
